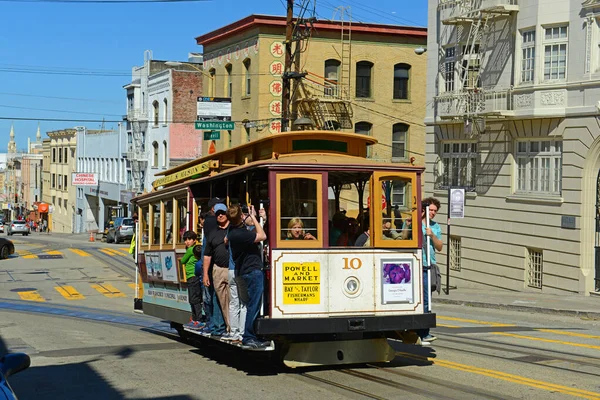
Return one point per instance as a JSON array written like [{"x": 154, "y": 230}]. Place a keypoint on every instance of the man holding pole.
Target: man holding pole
[{"x": 432, "y": 233}]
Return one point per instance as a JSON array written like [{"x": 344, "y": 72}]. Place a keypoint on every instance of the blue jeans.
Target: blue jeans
[
  {"x": 254, "y": 282},
  {"x": 424, "y": 332}
]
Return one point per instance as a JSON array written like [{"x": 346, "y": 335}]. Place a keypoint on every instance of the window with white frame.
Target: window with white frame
[
  {"x": 459, "y": 165},
  {"x": 528, "y": 56},
  {"x": 449, "y": 65},
  {"x": 470, "y": 66},
  {"x": 399, "y": 194},
  {"x": 454, "y": 253},
  {"x": 534, "y": 267},
  {"x": 539, "y": 166},
  {"x": 399, "y": 141},
  {"x": 555, "y": 53}
]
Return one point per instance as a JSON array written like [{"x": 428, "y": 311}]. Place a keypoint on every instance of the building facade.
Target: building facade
[
  {"x": 31, "y": 175},
  {"x": 62, "y": 146},
  {"x": 513, "y": 118},
  {"x": 161, "y": 110},
  {"x": 376, "y": 72},
  {"x": 102, "y": 153}
]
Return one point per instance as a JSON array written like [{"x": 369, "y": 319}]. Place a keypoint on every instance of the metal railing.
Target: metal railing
[{"x": 472, "y": 103}]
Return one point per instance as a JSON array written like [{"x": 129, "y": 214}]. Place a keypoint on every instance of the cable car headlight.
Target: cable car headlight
[{"x": 352, "y": 286}]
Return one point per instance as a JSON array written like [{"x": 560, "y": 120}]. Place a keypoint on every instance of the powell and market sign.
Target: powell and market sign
[{"x": 184, "y": 174}]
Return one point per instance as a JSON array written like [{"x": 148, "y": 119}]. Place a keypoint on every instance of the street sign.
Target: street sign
[
  {"x": 216, "y": 125},
  {"x": 457, "y": 203},
  {"x": 212, "y": 135}
]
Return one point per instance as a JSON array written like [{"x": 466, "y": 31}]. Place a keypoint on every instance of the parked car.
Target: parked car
[
  {"x": 18, "y": 227},
  {"x": 2, "y": 227},
  {"x": 6, "y": 248},
  {"x": 122, "y": 230},
  {"x": 10, "y": 364}
]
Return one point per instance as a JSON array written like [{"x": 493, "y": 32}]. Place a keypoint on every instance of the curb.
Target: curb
[{"x": 587, "y": 315}]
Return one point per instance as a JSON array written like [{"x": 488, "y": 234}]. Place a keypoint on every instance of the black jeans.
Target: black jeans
[{"x": 195, "y": 297}]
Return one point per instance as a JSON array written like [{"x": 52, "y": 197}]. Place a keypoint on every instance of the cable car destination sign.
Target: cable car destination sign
[{"x": 182, "y": 175}]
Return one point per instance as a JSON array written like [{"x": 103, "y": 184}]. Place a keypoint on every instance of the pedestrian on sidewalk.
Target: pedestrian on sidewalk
[{"x": 434, "y": 232}]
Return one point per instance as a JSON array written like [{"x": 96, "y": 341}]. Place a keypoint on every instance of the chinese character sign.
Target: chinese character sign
[
  {"x": 276, "y": 88},
  {"x": 275, "y": 108},
  {"x": 277, "y": 49},
  {"x": 275, "y": 127},
  {"x": 276, "y": 68}
]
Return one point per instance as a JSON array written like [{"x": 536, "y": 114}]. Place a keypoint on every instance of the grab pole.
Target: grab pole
[{"x": 429, "y": 263}]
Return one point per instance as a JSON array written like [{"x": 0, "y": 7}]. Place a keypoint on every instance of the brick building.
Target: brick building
[
  {"x": 378, "y": 70},
  {"x": 161, "y": 110}
]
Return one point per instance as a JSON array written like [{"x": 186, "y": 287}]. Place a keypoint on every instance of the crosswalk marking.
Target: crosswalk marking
[
  {"x": 54, "y": 253},
  {"x": 110, "y": 252},
  {"x": 80, "y": 252},
  {"x": 69, "y": 293},
  {"x": 123, "y": 249},
  {"x": 131, "y": 285},
  {"x": 108, "y": 290},
  {"x": 31, "y": 295}
]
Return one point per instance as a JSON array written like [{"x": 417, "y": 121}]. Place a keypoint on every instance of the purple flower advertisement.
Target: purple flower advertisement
[{"x": 397, "y": 281}]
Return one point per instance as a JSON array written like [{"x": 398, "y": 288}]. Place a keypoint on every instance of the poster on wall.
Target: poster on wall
[
  {"x": 154, "y": 265},
  {"x": 169, "y": 266},
  {"x": 397, "y": 281}
]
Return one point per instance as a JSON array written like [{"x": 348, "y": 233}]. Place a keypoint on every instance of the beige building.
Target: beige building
[
  {"x": 513, "y": 119},
  {"x": 62, "y": 164},
  {"x": 377, "y": 73},
  {"x": 31, "y": 176}
]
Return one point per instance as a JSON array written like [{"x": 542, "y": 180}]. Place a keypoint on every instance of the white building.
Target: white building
[{"x": 513, "y": 117}]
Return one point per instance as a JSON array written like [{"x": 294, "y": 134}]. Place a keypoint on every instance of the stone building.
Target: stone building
[{"x": 512, "y": 117}]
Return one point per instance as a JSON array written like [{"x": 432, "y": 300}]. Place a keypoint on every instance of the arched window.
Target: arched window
[
  {"x": 363, "y": 78},
  {"x": 165, "y": 154},
  {"x": 154, "y": 154},
  {"x": 165, "y": 111},
  {"x": 155, "y": 108},
  {"x": 365, "y": 128},
  {"x": 401, "y": 77},
  {"x": 332, "y": 76},
  {"x": 399, "y": 141},
  {"x": 212, "y": 84},
  {"x": 247, "y": 77},
  {"x": 228, "y": 81}
]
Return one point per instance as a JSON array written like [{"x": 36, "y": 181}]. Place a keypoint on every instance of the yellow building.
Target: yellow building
[
  {"x": 378, "y": 72},
  {"x": 62, "y": 164}
]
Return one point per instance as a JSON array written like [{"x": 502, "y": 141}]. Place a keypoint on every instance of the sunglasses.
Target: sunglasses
[{"x": 220, "y": 213}]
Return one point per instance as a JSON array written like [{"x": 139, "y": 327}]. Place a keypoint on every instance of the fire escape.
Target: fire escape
[
  {"x": 327, "y": 101},
  {"x": 468, "y": 24},
  {"x": 136, "y": 152}
]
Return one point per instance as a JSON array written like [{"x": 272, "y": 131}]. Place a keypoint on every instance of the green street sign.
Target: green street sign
[
  {"x": 216, "y": 125},
  {"x": 212, "y": 135}
]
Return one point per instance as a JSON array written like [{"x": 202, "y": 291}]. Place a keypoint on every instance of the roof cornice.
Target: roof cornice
[{"x": 277, "y": 21}]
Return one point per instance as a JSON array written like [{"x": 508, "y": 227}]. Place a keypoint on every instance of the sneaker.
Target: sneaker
[
  {"x": 194, "y": 325},
  {"x": 228, "y": 337},
  {"x": 429, "y": 338},
  {"x": 206, "y": 331},
  {"x": 216, "y": 335},
  {"x": 255, "y": 344}
]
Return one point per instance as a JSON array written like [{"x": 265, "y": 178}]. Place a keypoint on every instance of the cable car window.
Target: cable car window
[
  {"x": 396, "y": 209},
  {"x": 182, "y": 217},
  {"x": 168, "y": 221},
  {"x": 299, "y": 209},
  {"x": 156, "y": 223},
  {"x": 145, "y": 216}
]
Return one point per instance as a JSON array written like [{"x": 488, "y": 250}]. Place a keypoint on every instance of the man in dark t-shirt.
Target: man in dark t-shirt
[
  {"x": 248, "y": 268},
  {"x": 216, "y": 253}
]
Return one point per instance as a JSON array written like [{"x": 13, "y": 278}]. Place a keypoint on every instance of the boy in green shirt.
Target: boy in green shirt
[{"x": 194, "y": 283}]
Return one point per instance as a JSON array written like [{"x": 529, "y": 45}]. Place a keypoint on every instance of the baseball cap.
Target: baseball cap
[
  {"x": 220, "y": 207},
  {"x": 214, "y": 201}
]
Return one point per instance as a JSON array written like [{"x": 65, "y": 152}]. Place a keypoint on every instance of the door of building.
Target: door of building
[{"x": 597, "y": 237}]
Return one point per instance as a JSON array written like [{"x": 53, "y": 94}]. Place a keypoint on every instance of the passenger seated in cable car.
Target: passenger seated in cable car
[
  {"x": 349, "y": 233},
  {"x": 296, "y": 231},
  {"x": 388, "y": 232}
]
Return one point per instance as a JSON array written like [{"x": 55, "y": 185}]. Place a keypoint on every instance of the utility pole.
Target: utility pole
[
  {"x": 295, "y": 33},
  {"x": 287, "y": 92}
]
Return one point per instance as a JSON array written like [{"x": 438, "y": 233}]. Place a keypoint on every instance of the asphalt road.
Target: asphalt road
[{"x": 92, "y": 346}]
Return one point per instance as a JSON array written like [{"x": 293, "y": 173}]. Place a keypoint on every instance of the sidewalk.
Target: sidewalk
[{"x": 585, "y": 307}]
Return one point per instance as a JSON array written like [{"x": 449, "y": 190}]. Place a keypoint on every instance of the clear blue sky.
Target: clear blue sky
[{"x": 81, "y": 43}]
